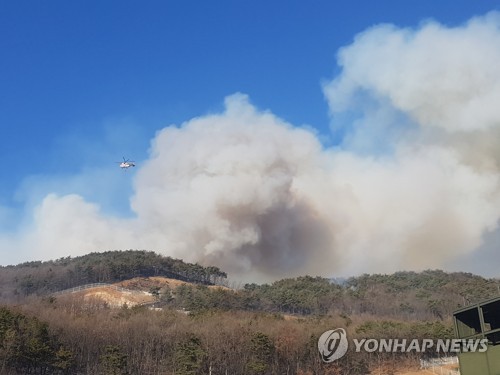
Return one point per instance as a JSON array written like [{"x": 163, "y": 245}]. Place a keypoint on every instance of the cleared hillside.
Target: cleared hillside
[{"x": 133, "y": 292}]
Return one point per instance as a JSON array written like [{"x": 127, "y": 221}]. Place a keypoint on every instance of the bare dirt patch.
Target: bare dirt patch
[
  {"x": 111, "y": 296},
  {"x": 146, "y": 283},
  {"x": 117, "y": 298}
]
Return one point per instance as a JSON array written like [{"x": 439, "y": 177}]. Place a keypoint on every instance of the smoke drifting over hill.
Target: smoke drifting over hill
[{"x": 413, "y": 182}]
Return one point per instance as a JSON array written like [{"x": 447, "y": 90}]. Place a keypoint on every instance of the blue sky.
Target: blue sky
[
  {"x": 74, "y": 70},
  {"x": 83, "y": 83}
]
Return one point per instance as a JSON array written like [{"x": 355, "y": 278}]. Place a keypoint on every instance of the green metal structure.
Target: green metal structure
[{"x": 479, "y": 321}]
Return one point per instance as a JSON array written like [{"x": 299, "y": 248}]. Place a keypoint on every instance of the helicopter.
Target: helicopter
[{"x": 125, "y": 164}]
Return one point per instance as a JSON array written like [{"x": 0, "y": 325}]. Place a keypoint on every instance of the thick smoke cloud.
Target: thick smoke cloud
[
  {"x": 223, "y": 189},
  {"x": 413, "y": 182}
]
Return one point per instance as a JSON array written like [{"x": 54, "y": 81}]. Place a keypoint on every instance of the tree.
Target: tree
[
  {"x": 113, "y": 361},
  {"x": 261, "y": 349},
  {"x": 64, "y": 361},
  {"x": 188, "y": 356},
  {"x": 25, "y": 343}
]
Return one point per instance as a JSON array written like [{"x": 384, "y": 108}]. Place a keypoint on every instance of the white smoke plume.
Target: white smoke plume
[{"x": 413, "y": 184}]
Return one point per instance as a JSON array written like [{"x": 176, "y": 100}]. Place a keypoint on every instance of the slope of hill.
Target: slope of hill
[
  {"x": 155, "y": 282},
  {"x": 40, "y": 278},
  {"x": 107, "y": 295},
  {"x": 132, "y": 292}
]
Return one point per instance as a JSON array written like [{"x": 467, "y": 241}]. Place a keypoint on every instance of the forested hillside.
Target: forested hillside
[
  {"x": 404, "y": 295},
  {"x": 52, "y": 337},
  {"x": 199, "y": 329},
  {"x": 40, "y": 278},
  {"x": 422, "y": 295}
]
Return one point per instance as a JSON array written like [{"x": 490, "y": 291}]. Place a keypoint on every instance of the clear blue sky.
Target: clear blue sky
[
  {"x": 72, "y": 68},
  {"x": 83, "y": 83}
]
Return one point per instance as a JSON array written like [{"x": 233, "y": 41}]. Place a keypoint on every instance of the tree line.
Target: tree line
[
  {"x": 41, "y": 278},
  {"x": 426, "y": 295}
]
